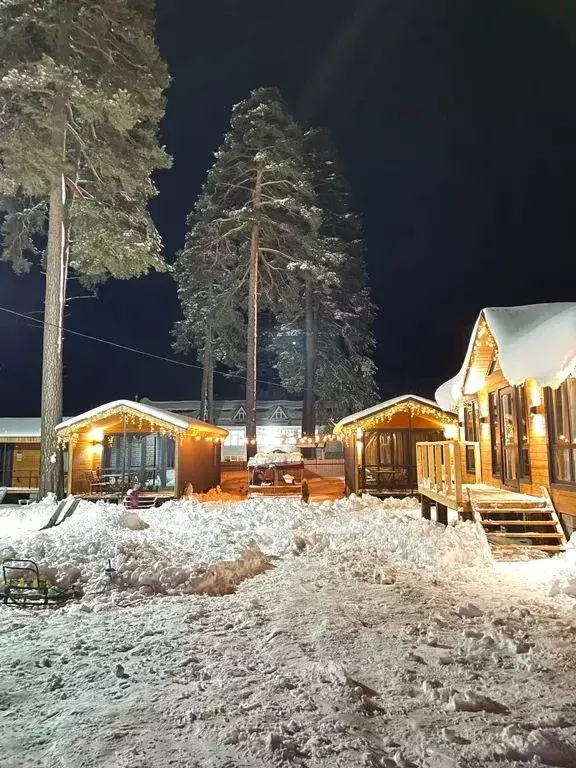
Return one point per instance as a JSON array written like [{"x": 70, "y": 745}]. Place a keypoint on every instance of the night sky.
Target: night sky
[{"x": 456, "y": 124}]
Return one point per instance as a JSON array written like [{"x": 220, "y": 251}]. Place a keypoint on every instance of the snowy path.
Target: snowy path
[
  {"x": 265, "y": 677},
  {"x": 258, "y": 678}
]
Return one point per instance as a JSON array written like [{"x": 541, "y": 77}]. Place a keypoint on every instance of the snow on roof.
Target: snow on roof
[
  {"x": 383, "y": 407},
  {"x": 20, "y": 427},
  {"x": 535, "y": 341},
  {"x": 175, "y": 419}
]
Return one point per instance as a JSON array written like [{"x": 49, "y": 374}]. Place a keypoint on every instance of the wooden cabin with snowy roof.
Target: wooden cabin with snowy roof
[
  {"x": 380, "y": 443},
  {"x": 513, "y": 466},
  {"x": 19, "y": 457},
  {"x": 123, "y": 444}
]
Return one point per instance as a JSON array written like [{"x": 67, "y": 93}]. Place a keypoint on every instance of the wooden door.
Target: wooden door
[{"x": 509, "y": 438}]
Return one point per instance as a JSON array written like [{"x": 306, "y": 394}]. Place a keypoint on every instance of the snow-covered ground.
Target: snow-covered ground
[{"x": 376, "y": 639}]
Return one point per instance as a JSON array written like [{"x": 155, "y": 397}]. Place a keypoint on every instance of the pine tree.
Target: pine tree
[
  {"x": 212, "y": 301},
  {"x": 81, "y": 94},
  {"x": 324, "y": 344},
  {"x": 261, "y": 204}
]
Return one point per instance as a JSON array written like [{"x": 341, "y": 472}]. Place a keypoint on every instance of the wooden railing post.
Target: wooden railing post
[
  {"x": 438, "y": 464},
  {"x": 477, "y": 463},
  {"x": 458, "y": 472},
  {"x": 448, "y": 459}
]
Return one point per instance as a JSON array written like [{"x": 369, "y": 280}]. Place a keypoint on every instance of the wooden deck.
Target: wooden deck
[{"x": 508, "y": 518}]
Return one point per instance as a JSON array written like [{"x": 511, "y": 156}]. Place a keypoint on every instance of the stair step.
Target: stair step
[
  {"x": 527, "y": 535},
  {"x": 518, "y": 522},
  {"x": 512, "y": 510}
]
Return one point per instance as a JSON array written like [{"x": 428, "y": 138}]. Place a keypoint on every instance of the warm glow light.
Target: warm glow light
[
  {"x": 96, "y": 435},
  {"x": 538, "y": 425},
  {"x": 474, "y": 381},
  {"x": 359, "y": 451},
  {"x": 450, "y": 431},
  {"x": 359, "y": 432},
  {"x": 535, "y": 395},
  {"x": 96, "y": 449}
]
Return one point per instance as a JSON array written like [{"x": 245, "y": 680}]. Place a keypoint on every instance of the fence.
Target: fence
[
  {"x": 15, "y": 478},
  {"x": 324, "y": 467}
]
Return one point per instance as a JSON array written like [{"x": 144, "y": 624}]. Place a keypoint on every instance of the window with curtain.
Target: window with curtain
[
  {"x": 149, "y": 459},
  {"x": 494, "y": 415},
  {"x": 471, "y": 432},
  {"x": 561, "y": 418},
  {"x": 523, "y": 431}
]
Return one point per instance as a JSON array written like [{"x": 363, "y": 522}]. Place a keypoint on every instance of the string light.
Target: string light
[
  {"x": 412, "y": 407},
  {"x": 71, "y": 435}
]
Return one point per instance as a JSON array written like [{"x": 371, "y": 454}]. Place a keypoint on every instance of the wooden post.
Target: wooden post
[
  {"x": 176, "y": 465},
  {"x": 70, "y": 464},
  {"x": 438, "y": 465},
  {"x": 441, "y": 514},
  {"x": 458, "y": 452},
  {"x": 426, "y": 505},
  {"x": 448, "y": 456}
]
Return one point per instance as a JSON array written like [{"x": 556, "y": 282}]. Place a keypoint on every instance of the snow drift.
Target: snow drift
[{"x": 167, "y": 549}]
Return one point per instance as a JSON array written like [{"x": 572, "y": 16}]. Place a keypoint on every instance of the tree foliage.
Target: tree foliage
[
  {"x": 255, "y": 227},
  {"x": 343, "y": 310},
  {"x": 81, "y": 94}
]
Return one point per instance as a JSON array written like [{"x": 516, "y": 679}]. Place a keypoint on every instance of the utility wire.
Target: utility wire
[{"x": 132, "y": 349}]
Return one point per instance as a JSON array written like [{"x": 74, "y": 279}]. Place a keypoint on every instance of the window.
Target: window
[
  {"x": 146, "y": 458},
  {"x": 471, "y": 431},
  {"x": 390, "y": 456},
  {"x": 494, "y": 413},
  {"x": 236, "y": 438},
  {"x": 240, "y": 414},
  {"x": 561, "y": 408},
  {"x": 279, "y": 414},
  {"x": 523, "y": 428}
]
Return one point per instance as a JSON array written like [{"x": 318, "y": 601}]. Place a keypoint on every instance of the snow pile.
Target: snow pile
[
  {"x": 168, "y": 548},
  {"x": 391, "y": 527},
  {"x": 274, "y": 459}
]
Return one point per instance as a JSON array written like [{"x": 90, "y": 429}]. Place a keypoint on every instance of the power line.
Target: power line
[{"x": 131, "y": 349}]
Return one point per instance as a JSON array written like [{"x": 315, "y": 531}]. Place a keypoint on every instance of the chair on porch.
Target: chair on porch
[{"x": 97, "y": 484}]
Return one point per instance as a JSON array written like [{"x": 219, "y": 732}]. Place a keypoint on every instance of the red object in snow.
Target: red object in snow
[{"x": 133, "y": 499}]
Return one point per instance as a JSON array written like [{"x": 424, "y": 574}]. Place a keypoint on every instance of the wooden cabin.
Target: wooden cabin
[
  {"x": 125, "y": 444},
  {"x": 515, "y": 452},
  {"x": 19, "y": 457},
  {"x": 380, "y": 443}
]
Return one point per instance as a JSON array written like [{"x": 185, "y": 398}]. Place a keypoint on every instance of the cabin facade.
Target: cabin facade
[
  {"x": 19, "y": 456},
  {"x": 124, "y": 444},
  {"x": 380, "y": 443},
  {"x": 516, "y": 402}
]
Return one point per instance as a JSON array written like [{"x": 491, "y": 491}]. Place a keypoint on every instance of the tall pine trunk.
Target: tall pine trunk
[
  {"x": 51, "y": 465},
  {"x": 207, "y": 395},
  {"x": 252, "y": 341},
  {"x": 309, "y": 404}
]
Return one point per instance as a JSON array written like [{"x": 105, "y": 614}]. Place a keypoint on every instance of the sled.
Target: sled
[{"x": 23, "y": 587}]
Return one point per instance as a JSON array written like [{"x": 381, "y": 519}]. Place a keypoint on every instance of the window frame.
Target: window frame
[
  {"x": 475, "y": 423},
  {"x": 523, "y": 433},
  {"x": 495, "y": 439},
  {"x": 552, "y": 433}
]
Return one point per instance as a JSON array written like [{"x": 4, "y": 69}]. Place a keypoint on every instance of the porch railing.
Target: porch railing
[
  {"x": 15, "y": 478},
  {"x": 440, "y": 467}
]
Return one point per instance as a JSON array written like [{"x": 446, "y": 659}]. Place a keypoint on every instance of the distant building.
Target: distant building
[{"x": 279, "y": 422}]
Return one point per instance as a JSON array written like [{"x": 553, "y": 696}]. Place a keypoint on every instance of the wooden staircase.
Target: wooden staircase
[{"x": 518, "y": 521}]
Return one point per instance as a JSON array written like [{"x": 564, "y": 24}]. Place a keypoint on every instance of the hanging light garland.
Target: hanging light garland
[
  {"x": 412, "y": 407},
  {"x": 71, "y": 435}
]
